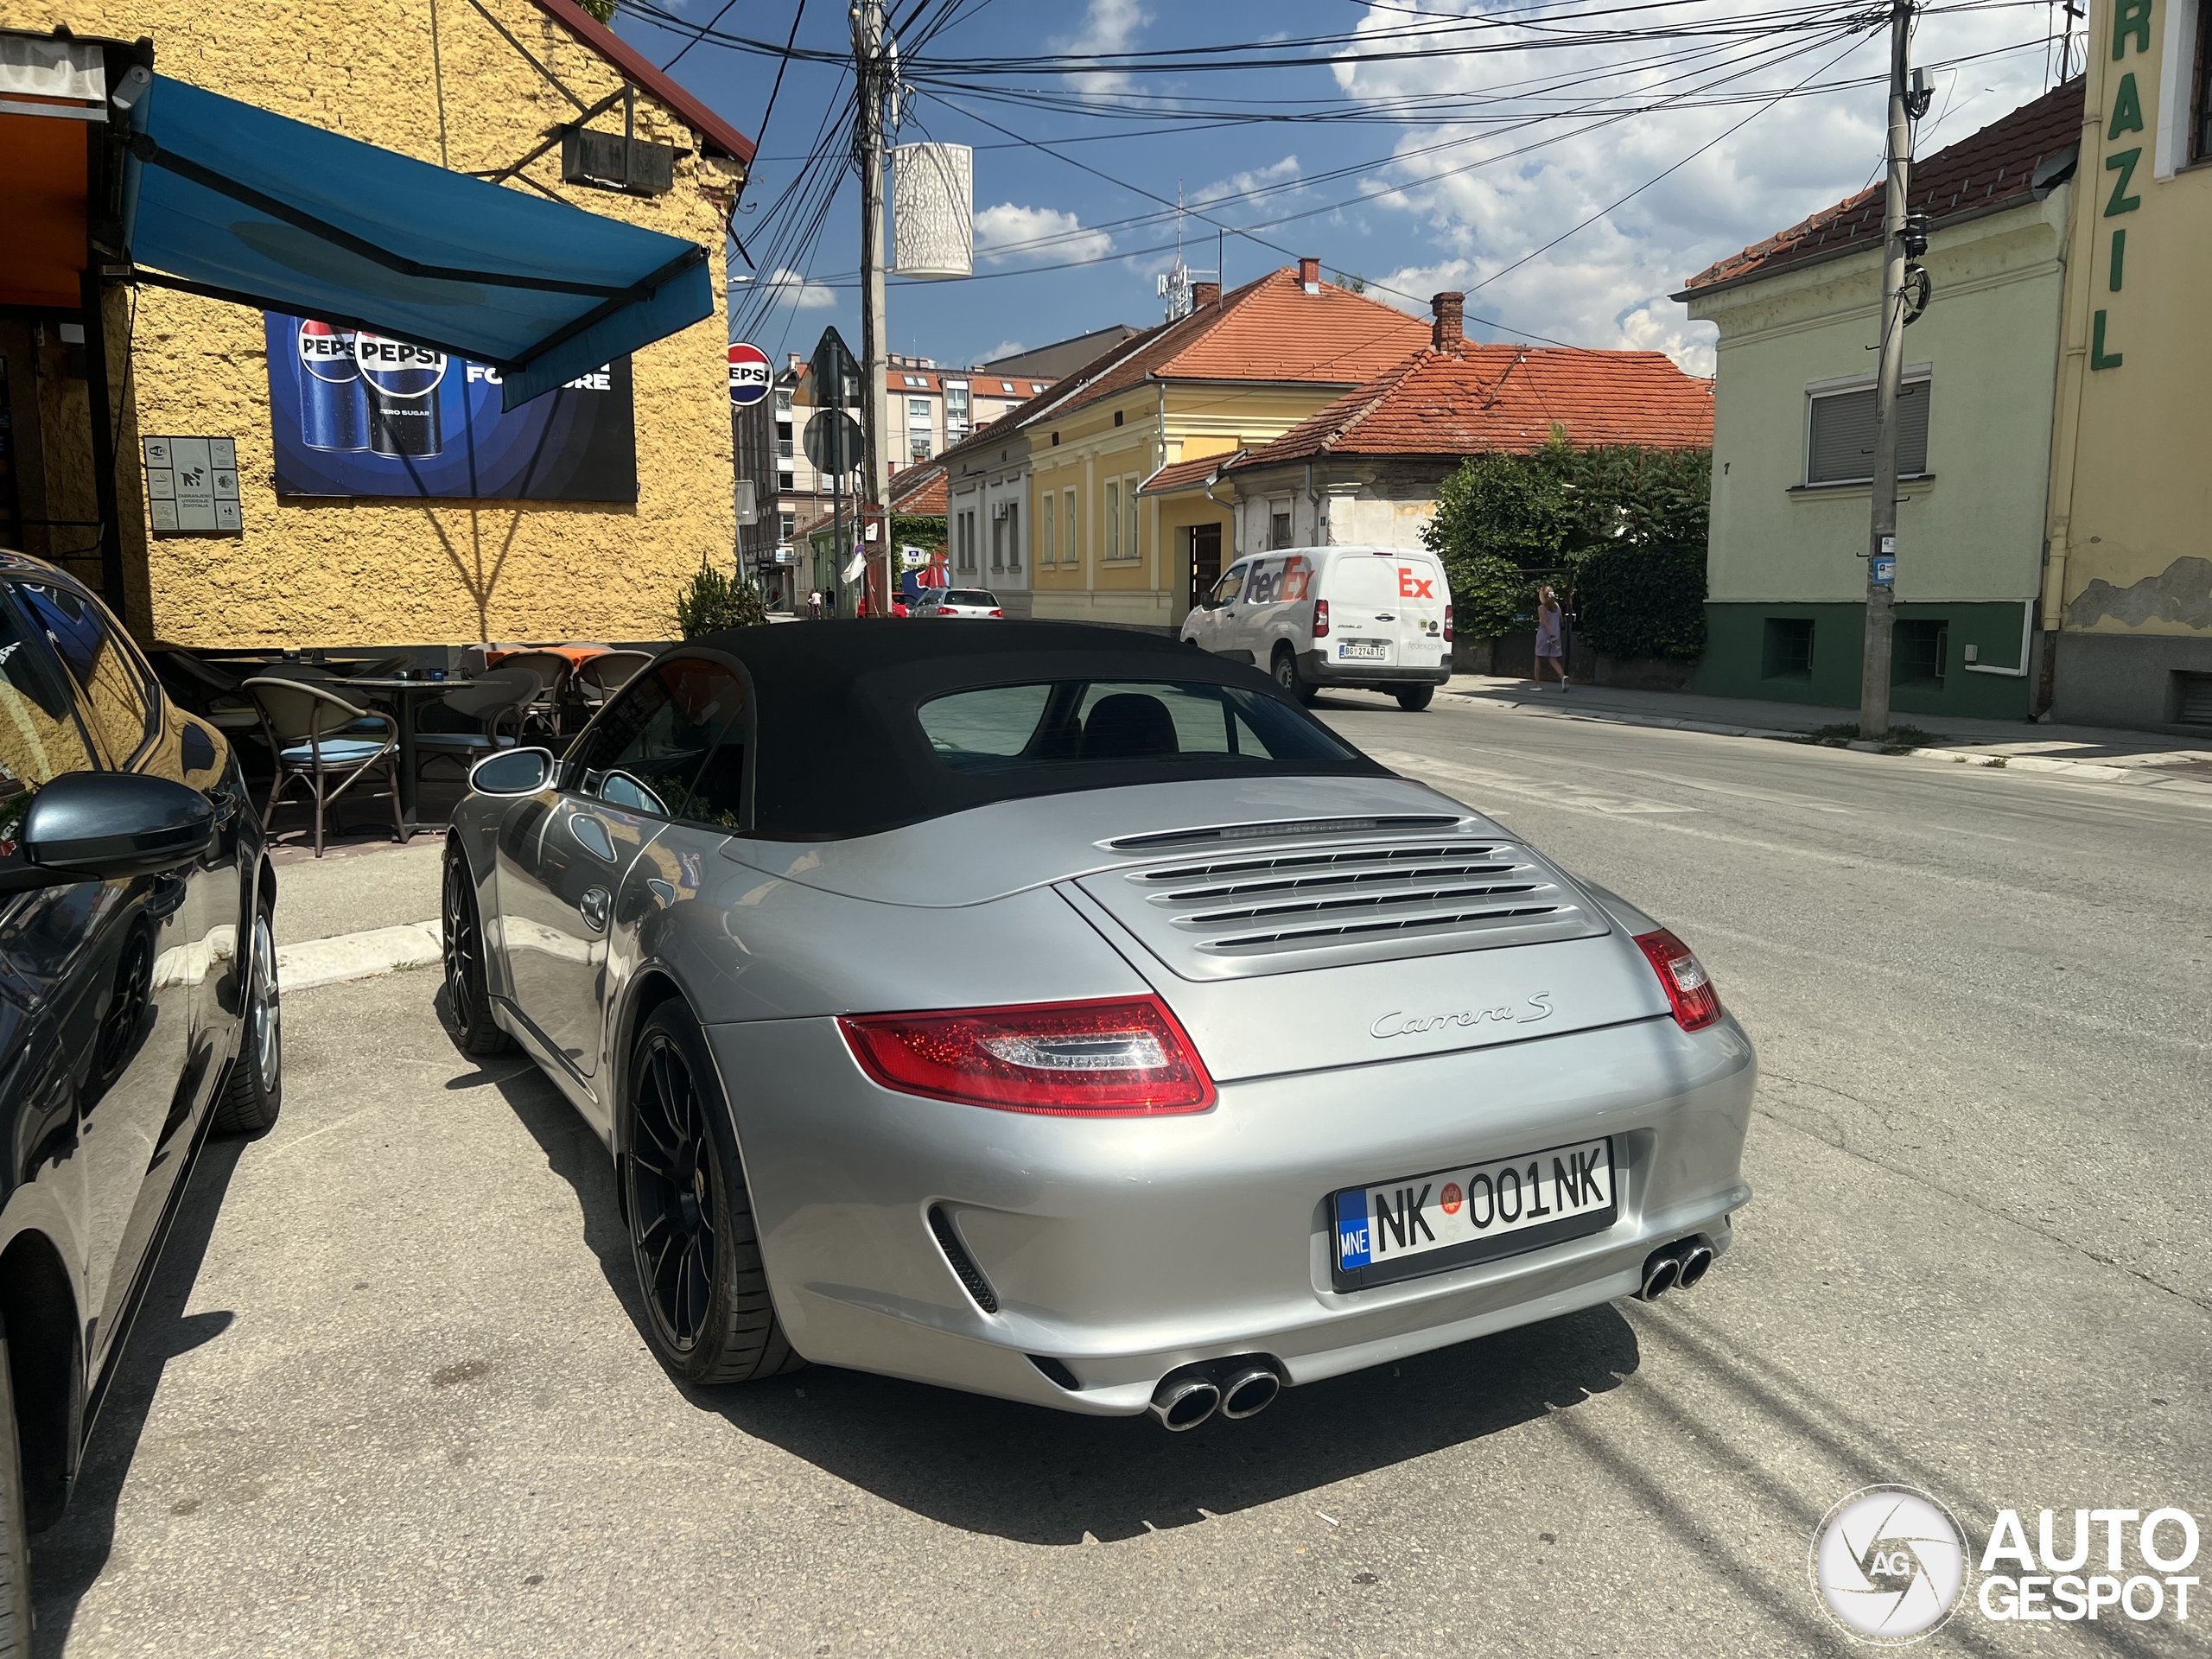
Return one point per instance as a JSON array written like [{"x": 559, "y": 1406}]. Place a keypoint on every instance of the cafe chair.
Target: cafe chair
[
  {"x": 322, "y": 740},
  {"x": 544, "y": 714},
  {"x": 602, "y": 675},
  {"x": 497, "y": 701},
  {"x": 208, "y": 691}
]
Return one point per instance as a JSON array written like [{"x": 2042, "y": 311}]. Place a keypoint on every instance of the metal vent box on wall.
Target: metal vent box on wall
[{"x": 597, "y": 158}]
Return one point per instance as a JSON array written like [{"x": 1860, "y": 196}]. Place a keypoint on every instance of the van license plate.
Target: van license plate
[
  {"x": 1373, "y": 650},
  {"x": 1448, "y": 1218}
]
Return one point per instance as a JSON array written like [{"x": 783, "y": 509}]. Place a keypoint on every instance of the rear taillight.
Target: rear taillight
[
  {"x": 1125, "y": 1057},
  {"x": 998, "y": 613},
  {"x": 1320, "y": 618},
  {"x": 1690, "y": 988},
  {"x": 1447, "y": 625}
]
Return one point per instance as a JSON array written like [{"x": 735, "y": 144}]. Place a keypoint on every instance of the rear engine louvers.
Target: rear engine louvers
[{"x": 1272, "y": 913}]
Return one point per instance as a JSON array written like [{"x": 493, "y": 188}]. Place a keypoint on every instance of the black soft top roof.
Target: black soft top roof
[{"x": 840, "y": 752}]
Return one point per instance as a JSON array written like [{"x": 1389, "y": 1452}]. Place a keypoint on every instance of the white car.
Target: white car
[
  {"x": 963, "y": 601},
  {"x": 1377, "y": 618}
]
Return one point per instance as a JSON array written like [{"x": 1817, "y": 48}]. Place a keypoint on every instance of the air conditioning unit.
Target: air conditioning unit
[{"x": 998, "y": 508}]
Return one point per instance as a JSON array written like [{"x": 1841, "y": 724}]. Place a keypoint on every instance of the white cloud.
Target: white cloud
[
  {"x": 1107, "y": 26},
  {"x": 792, "y": 288},
  {"x": 1004, "y": 348},
  {"x": 1042, "y": 234},
  {"x": 1607, "y": 285},
  {"x": 1236, "y": 186}
]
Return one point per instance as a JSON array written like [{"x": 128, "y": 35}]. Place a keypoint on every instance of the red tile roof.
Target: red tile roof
[
  {"x": 716, "y": 135},
  {"x": 920, "y": 489},
  {"x": 1506, "y": 397},
  {"x": 1991, "y": 168},
  {"x": 1186, "y": 475}
]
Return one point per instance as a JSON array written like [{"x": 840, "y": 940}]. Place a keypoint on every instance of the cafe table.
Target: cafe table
[{"x": 407, "y": 694}]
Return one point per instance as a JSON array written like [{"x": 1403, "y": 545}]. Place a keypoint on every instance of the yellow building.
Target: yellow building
[
  {"x": 1119, "y": 523},
  {"x": 2127, "y": 585},
  {"x": 533, "y": 94}
]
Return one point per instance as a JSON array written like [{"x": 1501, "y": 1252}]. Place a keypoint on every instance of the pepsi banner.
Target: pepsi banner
[{"x": 353, "y": 413}]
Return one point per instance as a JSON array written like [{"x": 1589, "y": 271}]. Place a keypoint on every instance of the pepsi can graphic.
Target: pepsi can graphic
[
  {"x": 401, "y": 381},
  {"x": 334, "y": 405}
]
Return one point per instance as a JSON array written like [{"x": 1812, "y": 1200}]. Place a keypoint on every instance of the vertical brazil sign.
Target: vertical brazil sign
[{"x": 353, "y": 413}]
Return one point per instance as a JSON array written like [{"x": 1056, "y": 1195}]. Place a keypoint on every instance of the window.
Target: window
[
  {"x": 784, "y": 446},
  {"x": 1129, "y": 494},
  {"x": 40, "y": 738},
  {"x": 1918, "y": 653},
  {"x": 107, "y": 672},
  {"x": 956, "y": 407},
  {"x": 789, "y": 522},
  {"x": 1013, "y": 535},
  {"x": 1046, "y": 550},
  {"x": 1113, "y": 520},
  {"x": 1840, "y": 444},
  {"x": 1278, "y": 525},
  {"x": 917, "y": 412},
  {"x": 1787, "y": 651},
  {"x": 1071, "y": 724},
  {"x": 784, "y": 404},
  {"x": 998, "y": 543},
  {"x": 1071, "y": 533},
  {"x": 1035, "y": 389},
  {"x": 917, "y": 445},
  {"x": 1225, "y": 590},
  {"x": 647, "y": 749},
  {"x": 915, "y": 379},
  {"x": 2200, "y": 104}
]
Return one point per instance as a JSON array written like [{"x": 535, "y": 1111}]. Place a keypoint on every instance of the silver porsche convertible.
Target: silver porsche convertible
[{"x": 1066, "y": 1015}]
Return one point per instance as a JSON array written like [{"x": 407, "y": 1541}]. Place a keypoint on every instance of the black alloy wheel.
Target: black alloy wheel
[
  {"x": 468, "y": 996},
  {"x": 691, "y": 1229},
  {"x": 254, "y": 1093}
]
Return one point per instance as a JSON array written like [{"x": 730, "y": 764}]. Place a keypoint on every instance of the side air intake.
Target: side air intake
[{"x": 963, "y": 1265}]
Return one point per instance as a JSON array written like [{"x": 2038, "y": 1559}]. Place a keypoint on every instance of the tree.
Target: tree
[
  {"x": 1497, "y": 515},
  {"x": 1632, "y": 494},
  {"x": 715, "y": 601}
]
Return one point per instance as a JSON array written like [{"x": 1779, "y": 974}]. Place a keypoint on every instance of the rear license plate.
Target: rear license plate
[
  {"x": 1450, "y": 1217},
  {"x": 1374, "y": 651}
]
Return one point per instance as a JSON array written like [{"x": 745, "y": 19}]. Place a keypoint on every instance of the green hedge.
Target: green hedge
[{"x": 1643, "y": 601}]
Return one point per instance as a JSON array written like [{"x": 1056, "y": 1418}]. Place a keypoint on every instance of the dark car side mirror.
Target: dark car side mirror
[
  {"x": 100, "y": 826},
  {"x": 512, "y": 771}
]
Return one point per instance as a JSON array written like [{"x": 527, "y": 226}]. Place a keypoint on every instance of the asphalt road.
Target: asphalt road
[{"x": 389, "y": 1397}]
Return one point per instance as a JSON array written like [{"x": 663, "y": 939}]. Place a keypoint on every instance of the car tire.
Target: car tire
[
  {"x": 1286, "y": 675},
  {"x": 468, "y": 994},
  {"x": 1414, "y": 698},
  {"x": 15, "y": 1533},
  {"x": 254, "y": 1092},
  {"x": 692, "y": 1239}
]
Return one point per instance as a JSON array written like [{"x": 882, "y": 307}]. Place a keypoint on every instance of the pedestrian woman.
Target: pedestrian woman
[{"x": 1551, "y": 656}]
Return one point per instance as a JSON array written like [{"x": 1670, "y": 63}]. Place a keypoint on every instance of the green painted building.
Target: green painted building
[{"x": 1793, "y": 429}]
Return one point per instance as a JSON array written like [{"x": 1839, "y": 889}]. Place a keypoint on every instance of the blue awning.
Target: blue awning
[{"x": 231, "y": 201}]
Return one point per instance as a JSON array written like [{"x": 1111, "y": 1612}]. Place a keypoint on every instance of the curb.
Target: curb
[
  {"x": 311, "y": 963},
  {"x": 2080, "y": 771}
]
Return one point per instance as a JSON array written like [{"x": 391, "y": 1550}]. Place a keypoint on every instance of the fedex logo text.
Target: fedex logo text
[{"x": 1413, "y": 586}]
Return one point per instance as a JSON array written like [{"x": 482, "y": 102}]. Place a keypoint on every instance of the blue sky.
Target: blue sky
[{"x": 1442, "y": 169}]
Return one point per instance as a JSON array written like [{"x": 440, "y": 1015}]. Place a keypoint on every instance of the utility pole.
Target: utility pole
[
  {"x": 1881, "y": 540},
  {"x": 869, "y": 66}
]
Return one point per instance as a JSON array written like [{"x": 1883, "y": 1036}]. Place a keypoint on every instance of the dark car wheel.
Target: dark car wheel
[
  {"x": 691, "y": 1233},
  {"x": 255, "y": 1091},
  {"x": 468, "y": 996},
  {"x": 14, "y": 1546},
  {"x": 1286, "y": 671},
  {"x": 1414, "y": 698}
]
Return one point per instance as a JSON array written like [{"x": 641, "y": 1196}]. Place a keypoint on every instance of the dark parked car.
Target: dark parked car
[{"x": 138, "y": 1009}]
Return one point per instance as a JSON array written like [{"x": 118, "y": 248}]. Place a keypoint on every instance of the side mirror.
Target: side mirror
[
  {"x": 512, "y": 771},
  {"x": 99, "y": 826}
]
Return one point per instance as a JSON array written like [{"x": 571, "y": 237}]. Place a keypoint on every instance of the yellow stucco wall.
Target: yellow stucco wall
[
  {"x": 348, "y": 571},
  {"x": 2131, "y": 552},
  {"x": 1186, "y": 421}
]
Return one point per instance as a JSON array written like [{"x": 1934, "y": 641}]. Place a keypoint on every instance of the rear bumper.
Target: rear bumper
[
  {"x": 1124, "y": 1247},
  {"x": 1317, "y": 668}
]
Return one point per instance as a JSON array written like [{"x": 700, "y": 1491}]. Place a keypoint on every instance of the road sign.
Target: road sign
[
  {"x": 835, "y": 442},
  {"x": 748, "y": 373},
  {"x": 836, "y": 372}
]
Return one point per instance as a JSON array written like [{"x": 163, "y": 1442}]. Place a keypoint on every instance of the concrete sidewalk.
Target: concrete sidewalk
[{"x": 2083, "y": 752}]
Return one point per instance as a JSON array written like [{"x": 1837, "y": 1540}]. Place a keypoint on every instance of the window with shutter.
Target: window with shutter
[{"x": 1840, "y": 446}]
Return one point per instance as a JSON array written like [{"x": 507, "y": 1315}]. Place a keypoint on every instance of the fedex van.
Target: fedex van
[{"x": 1376, "y": 618}]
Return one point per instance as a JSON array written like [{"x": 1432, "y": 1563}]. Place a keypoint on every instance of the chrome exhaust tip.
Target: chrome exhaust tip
[
  {"x": 1184, "y": 1402},
  {"x": 1249, "y": 1393},
  {"x": 1695, "y": 1260},
  {"x": 1661, "y": 1272}
]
